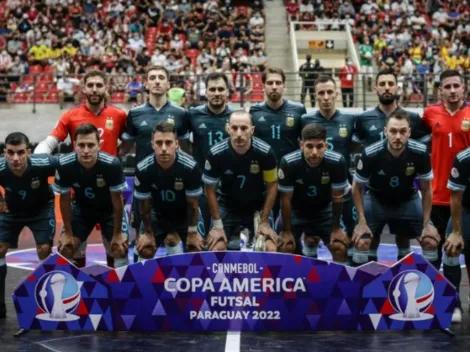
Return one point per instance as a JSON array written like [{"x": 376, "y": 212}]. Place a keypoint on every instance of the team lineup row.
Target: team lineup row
[{"x": 245, "y": 159}]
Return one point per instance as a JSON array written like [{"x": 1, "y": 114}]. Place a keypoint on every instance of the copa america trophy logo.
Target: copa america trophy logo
[
  {"x": 411, "y": 293},
  {"x": 58, "y": 295}
]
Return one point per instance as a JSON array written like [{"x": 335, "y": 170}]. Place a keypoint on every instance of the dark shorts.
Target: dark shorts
[
  {"x": 404, "y": 219},
  {"x": 440, "y": 215},
  {"x": 83, "y": 224},
  {"x": 42, "y": 226},
  {"x": 465, "y": 225}
]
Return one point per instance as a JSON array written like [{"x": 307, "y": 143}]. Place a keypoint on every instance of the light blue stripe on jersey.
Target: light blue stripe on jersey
[
  {"x": 417, "y": 146},
  {"x": 455, "y": 187},
  {"x": 106, "y": 158},
  {"x": 285, "y": 189},
  {"x": 194, "y": 192},
  {"x": 360, "y": 179},
  {"x": 426, "y": 177},
  {"x": 142, "y": 196},
  {"x": 425, "y": 139},
  {"x": 209, "y": 180},
  {"x": 67, "y": 159},
  {"x": 119, "y": 188},
  {"x": 332, "y": 156},
  {"x": 61, "y": 190},
  {"x": 356, "y": 139},
  {"x": 293, "y": 156},
  {"x": 3, "y": 165},
  {"x": 374, "y": 147},
  {"x": 218, "y": 148},
  {"x": 185, "y": 136},
  {"x": 186, "y": 161},
  {"x": 127, "y": 137},
  {"x": 463, "y": 154},
  {"x": 260, "y": 145},
  {"x": 339, "y": 186},
  {"x": 146, "y": 163}
]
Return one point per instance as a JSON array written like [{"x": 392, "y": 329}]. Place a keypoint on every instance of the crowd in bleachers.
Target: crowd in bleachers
[
  {"x": 416, "y": 38},
  {"x": 46, "y": 44}
]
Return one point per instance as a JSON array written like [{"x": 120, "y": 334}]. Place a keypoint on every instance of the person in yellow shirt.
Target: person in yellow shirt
[
  {"x": 69, "y": 49},
  {"x": 55, "y": 52},
  {"x": 445, "y": 49},
  {"x": 38, "y": 53},
  {"x": 451, "y": 61},
  {"x": 416, "y": 53}
]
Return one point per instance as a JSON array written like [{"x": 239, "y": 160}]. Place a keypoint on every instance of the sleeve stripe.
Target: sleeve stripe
[
  {"x": 142, "y": 196},
  {"x": 360, "y": 179},
  {"x": 338, "y": 186},
  {"x": 356, "y": 139},
  {"x": 194, "y": 192},
  {"x": 455, "y": 187},
  {"x": 285, "y": 189},
  {"x": 127, "y": 137},
  {"x": 119, "y": 188},
  {"x": 429, "y": 176},
  {"x": 425, "y": 139},
  {"x": 209, "y": 180},
  {"x": 185, "y": 136},
  {"x": 62, "y": 190}
]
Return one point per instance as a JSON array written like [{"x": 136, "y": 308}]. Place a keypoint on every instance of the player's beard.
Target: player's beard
[
  {"x": 220, "y": 103},
  {"x": 387, "y": 98},
  {"x": 274, "y": 96},
  {"x": 94, "y": 99}
]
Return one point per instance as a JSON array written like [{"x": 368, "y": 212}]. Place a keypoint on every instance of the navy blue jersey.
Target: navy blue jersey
[
  {"x": 460, "y": 176},
  {"x": 312, "y": 185},
  {"x": 208, "y": 130},
  {"x": 142, "y": 119},
  {"x": 92, "y": 187},
  {"x": 391, "y": 179},
  {"x": 370, "y": 125},
  {"x": 26, "y": 195},
  {"x": 241, "y": 178},
  {"x": 279, "y": 128},
  {"x": 170, "y": 188}
]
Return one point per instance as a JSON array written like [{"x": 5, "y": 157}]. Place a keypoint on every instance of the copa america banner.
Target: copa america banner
[{"x": 235, "y": 291}]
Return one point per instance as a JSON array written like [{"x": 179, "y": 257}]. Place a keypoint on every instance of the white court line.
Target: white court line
[
  {"x": 47, "y": 347},
  {"x": 232, "y": 344}
]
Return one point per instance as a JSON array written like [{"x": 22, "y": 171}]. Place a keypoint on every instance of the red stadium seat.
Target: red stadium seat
[
  {"x": 46, "y": 78},
  {"x": 52, "y": 97},
  {"x": 236, "y": 97},
  {"x": 20, "y": 97},
  {"x": 117, "y": 97},
  {"x": 192, "y": 53},
  {"x": 13, "y": 86},
  {"x": 257, "y": 97},
  {"x": 28, "y": 79},
  {"x": 42, "y": 87},
  {"x": 37, "y": 97},
  {"x": 35, "y": 70},
  {"x": 48, "y": 69}
]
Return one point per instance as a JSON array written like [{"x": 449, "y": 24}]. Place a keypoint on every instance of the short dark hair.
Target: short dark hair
[
  {"x": 164, "y": 127},
  {"x": 274, "y": 70},
  {"x": 214, "y": 76},
  {"x": 17, "y": 138},
  {"x": 157, "y": 68},
  {"x": 450, "y": 73},
  {"x": 86, "y": 129},
  {"x": 398, "y": 114},
  {"x": 95, "y": 73},
  {"x": 323, "y": 79},
  {"x": 313, "y": 131},
  {"x": 387, "y": 71}
]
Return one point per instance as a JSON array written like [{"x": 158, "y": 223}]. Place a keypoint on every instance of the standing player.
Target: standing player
[
  {"x": 109, "y": 120},
  {"x": 97, "y": 179},
  {"x": 168, "y": 184},
  {"x": 339, "y": 129},
  {"x": 312, "y": 182},
  {"x": 458, "y": 228},
  {"x": 247, "y": 171},
  {"x": 389, "y": 169},
  {"x": 369, "y": 128},
  {"x": 28, "y": 201},
  {"x": 449, "y": 123},
  {"x": 143, "y": 118},
  {"x": 208, "y": 125}
]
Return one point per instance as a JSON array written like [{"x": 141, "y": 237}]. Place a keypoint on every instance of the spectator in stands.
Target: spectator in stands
[
  {"x": 66, "y": 87},
  {"x": 367, "y": 66},
  {"x": 257, "y": 38},
  {"x": 347, "y": 76},
  {"x": 204, "y": 59},
  {"x": 194, "y": 37},
  {"x": 18, "y": 69},
  {"x": 293, "y": 9},
  {"x": 185, "y": 6},
  {"x": 14, "y": 44},
  {"x": 136, "y": 44},
  {"x": 133, "y": 91},
  {"x": 119, "y": 80},
  {"x": 177, "y": 94},
  {"x": 306, "y": 6},
  {"x": 346, "y": 8},
  {"x": 222, "y": 52},
  {"x": 6, "y": 62},
  {"x": 4, "y": 90},
  {"x": 61, "y": 67},
  {"x": 367, "y": 7},
  {"x": 256, "y": 21},
  {"x": 243, "y": 83},
  {"x": 142, "y": 61},
  {"x": 258, "y": 61},
  {"x": 158, "y": 58},
  {"x": 172, "y": 65}
]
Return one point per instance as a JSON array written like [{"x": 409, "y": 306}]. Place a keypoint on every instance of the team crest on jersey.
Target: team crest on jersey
[
  {"x": 290, "y": 121},
  {"x": 325, "y": 179},
  {"x": 254, "y": 167},
  {"x": 109, "y": 123},
  {"x": 280, "y": 174},
  {"x": 171, "y": 119},
  {"x": 465, "y": 125},
  {"x": 343, "y": 131},
  {"x": 179, "y": 185},
  {"x": 100, "y": 182},
  {"x": 35, "y": 183},
  {"x": 410, "y": 170}
]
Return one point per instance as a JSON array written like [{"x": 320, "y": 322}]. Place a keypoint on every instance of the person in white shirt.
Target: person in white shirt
[
  {"x": 204, "y": 58},
  {"x": 306, "y": 6},
  {"x": 65, "y": 86},
  {"x": 177, "y": 43},
  {"x": 367, "y": 7},
  {"x": 158, "y": 58},
  {"x": 136, "y": 44},
  {"x": 61, "y": 67},
  {"x": 440, "y": 16},
  {"x": 172, "y": 65},
  {"x": 256, "y": 20},
  {"x": 6, "y": 62},
  {"x": 97, "y": 51}
]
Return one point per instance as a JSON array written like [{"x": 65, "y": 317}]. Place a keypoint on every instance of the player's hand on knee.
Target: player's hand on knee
[
  {"x": 119, "y": 246},
  {"x": 146, "y": 246},
  {"x": 454, "y": 245},
  {"x": 3, "y": 206},
  {"x": 338, "y": 235},
  {"x": 361, "y": 231},
  {"x": 287, "y": 242},
  {"x": 215, "y": 236},
  {"x": 431, "y": 232},
  {"x": 67, "y": 245},
  {"x": 195, "y": 242}
]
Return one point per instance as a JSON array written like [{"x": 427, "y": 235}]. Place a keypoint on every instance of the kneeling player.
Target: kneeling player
[
  {"x": 458, "y": 228},
  {"x": 28, "y": 201},
  {"x": 389, "y": 168},
  {"x": 312, "y": 182},
  {"x": 245, "y": 169},
  {"x": 98, "y": 180},
  {"x": 167, "y": 185}
]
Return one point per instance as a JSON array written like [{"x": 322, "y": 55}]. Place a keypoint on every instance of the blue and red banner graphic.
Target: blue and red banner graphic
[{"x": 235, "y": 291}]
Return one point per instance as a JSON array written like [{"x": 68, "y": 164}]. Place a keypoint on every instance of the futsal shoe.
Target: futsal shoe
[{"x": 457, "y": 315}]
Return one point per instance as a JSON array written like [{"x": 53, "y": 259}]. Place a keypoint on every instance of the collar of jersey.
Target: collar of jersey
[
  {"x": 464, "y": 105},
  {"x": 209, "y": 111},
  {"x": 91, "y": 112},
  {"x": 163, "y": 108},
  {"x": 319, "y": 114},
  {"x": 381, "y": 113},
  {"x": 284, "y": 103}
]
